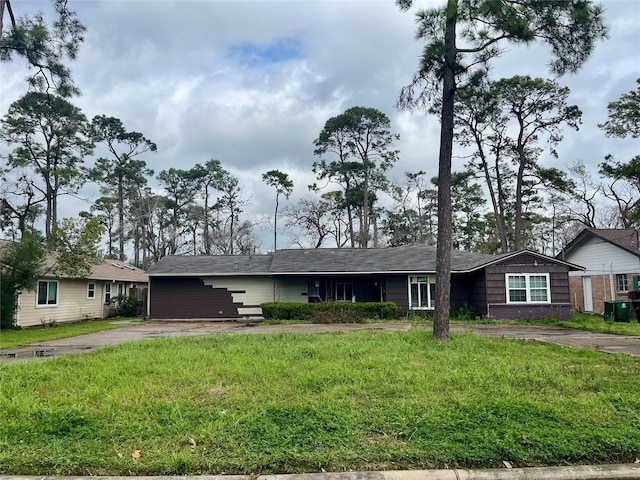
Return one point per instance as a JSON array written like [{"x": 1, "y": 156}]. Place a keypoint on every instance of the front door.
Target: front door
[{"x": 588, "y": 295}]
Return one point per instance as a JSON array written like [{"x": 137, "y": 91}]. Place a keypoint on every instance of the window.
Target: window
[
  {"x": 121, "y": 291},
  {"x": 422, "y": 292},
  {"x": 344, "y": 292},
  {"x": 107, "y": 293},
  {"x": 47, "y": 293},
  {"x": 528, "y": 288},
  {"x": 623, "y": 282},
  {"x": 91, "y": 290}
]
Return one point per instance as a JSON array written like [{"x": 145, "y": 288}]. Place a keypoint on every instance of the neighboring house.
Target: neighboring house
[
  {"x": 611, "y": 258},
  {"x": 514, "y": 285},
  {"x": 63, "y": 299}
]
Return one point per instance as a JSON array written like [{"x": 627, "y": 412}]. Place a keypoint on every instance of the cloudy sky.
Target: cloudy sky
[{"x": 252, "y": 83}]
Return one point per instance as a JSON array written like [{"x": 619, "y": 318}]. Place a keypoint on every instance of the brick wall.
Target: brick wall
[{"x": 600, "y": 291}]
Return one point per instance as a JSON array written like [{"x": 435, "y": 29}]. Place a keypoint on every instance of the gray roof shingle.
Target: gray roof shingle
[
  {"x": 409, "y": 258},
  {"x": 190, "y": 265}
]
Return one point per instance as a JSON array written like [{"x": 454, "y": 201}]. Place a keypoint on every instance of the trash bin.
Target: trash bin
[
  {"x": 609, "y": 311},
  {"x": 618, "y": 310},
  {"x": 622, "y": 313}
]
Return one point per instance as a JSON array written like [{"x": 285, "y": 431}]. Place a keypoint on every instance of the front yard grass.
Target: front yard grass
[
  {"x": 596, "y": 323},
  {"x": 27, "y": 336},
  {"x": 294, "y": 403},
  {"x": 579, "y": 321}
]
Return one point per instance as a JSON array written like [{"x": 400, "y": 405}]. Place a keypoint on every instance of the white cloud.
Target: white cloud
[{"x": 172, "y": 70}]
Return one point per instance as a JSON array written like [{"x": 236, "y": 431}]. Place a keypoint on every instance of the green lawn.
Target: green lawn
[
  {"x": 596, "y": 323},
  {"x": 580, "y": 321},
  {"x": 311, "y": 402},
  {"x": 21, "y": 337}
]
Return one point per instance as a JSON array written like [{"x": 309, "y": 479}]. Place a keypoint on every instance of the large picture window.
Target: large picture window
[
  {"x": 47, "y": 293},
  {"x": 422, "y": 292},
  {"x": 528, "y": 288}
]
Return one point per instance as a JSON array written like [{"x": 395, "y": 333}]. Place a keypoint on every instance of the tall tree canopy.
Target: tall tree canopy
[
  {"x": 42, "y": 45},
  {"x": 284, "y": 186},
  {"x": 624, "y": 121},
  {"x": 505, "y": 122},
  {"x": 361, "y": 139},
  {"x": 123, "y": 173},
  {"x": 463, "y": 36},
  {"x": 50, "y": 137}
]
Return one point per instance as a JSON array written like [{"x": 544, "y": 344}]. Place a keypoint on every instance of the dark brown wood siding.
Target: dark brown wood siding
[
  {"x": 189, "y": 297},
  {"x": 497, "y": 290},
  {"x": 469, "y": 292},
  {"x": 396, "y": 290}
]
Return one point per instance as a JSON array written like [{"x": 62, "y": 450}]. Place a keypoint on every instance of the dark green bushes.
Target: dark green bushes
[
  {"x": 330, "y": 312},
  {"x": 124, "y": 306}
]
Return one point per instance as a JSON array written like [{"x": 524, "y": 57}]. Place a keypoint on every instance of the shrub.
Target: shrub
[
  {"x": 329, "y": 312},
  {"x": 126, "y": 307},
  {"x": 338, "y": 313}
]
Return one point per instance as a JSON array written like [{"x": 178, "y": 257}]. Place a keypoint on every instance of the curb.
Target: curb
[{"x": 581, "y": 472}]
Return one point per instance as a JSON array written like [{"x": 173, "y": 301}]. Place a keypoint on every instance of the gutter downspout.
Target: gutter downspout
[{"x": 613, "y": 293}]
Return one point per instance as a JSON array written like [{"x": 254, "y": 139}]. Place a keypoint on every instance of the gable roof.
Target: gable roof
[
  {"x": 119, "y": 271},
  {"x": 627, "y": 239},
  {"x": 105, "y": 269},
  {"x": 326, "y": 261}
]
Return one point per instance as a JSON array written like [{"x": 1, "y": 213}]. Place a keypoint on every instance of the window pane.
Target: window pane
[
  {"x": 432, "y": 291},
  {"x": 42, "y": 293},
  {"x": 538, "y": 295},
  {"x": 517, "y": 295},
  {"x": 517, "y": 281},
  {"x": 53, "y": 293},
  {"x": 538, "y": 281},
  {"x": 414, "y": 295},
  {"x": 623, "y": 285},
  {"x": 424, "y": 298}
]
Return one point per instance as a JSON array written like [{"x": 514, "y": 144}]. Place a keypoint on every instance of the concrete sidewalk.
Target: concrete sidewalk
[{"x": 582, "y": 472}]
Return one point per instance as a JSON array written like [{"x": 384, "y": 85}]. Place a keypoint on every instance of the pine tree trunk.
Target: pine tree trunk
[{"x": 443, "y": 251}]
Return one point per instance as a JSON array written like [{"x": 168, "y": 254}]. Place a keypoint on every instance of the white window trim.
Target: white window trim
[
  {"x": 527, "y": 287},
  {"x": 94, "y": 290},
  {"x": 48, "y": 305},
  {"x": 618, "y": 275},
  {"x": 104, "y": 296},
  {"x": 430, "y": 280}
]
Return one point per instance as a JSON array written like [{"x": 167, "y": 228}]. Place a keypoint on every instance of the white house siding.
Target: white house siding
[
  {"x": 602, "y": 261},
  {"x": 600, "y": 257},
  {"x": 292, "y": 290},
  {"x": 249, "y": 291},
  {"x": 73, "y": 305}
]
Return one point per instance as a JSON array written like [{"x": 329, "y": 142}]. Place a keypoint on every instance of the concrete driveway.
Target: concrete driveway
[{"x": 85, "y": 343}]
